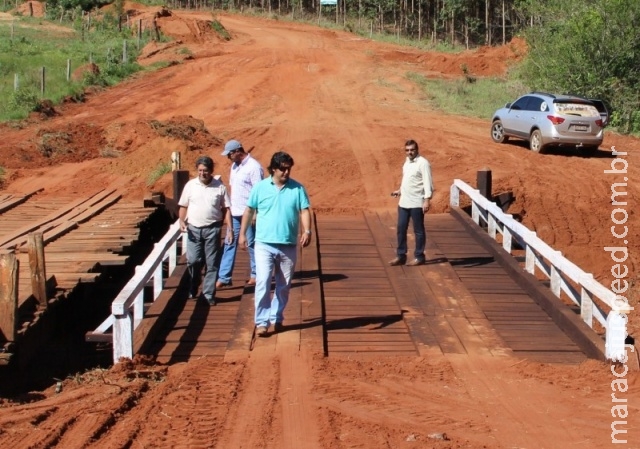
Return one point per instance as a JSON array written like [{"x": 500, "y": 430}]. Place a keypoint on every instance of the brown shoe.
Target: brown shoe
[
  {"x": 251, "y": 281},
  {"x": 397, "y": 261},
  {"x": 261, "y": 331},
  {"x": 220, "y": 284},
  {"x": 415, "y": 263}
]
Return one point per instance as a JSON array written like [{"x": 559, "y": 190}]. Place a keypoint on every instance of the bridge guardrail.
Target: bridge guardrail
[
  {"x": 565, "y": 276},
  {"x": 127, "y": 310}
]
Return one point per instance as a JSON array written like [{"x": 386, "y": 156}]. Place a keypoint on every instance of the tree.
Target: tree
[{"x": 591, "y": 49}]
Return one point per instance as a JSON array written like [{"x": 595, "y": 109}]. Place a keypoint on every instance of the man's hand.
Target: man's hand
[
  {"x": 242, "y": 242},
  {"x": 305, "y": 238},
  {"x": 183, "y": 226},
  {"x": 426, "y": 205}
]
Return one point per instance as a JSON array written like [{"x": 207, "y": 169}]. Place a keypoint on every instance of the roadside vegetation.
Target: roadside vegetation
[{"x": 98, "y": 44}]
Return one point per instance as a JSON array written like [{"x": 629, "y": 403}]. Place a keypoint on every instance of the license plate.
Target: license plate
[{"x": 580, "y": 127}]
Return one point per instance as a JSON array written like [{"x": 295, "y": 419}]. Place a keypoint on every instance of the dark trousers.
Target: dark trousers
[
  {"x": 417, "y": 217},
  {"x": 203, "y": 248}
]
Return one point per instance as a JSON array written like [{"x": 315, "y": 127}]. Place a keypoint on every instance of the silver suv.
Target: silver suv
[{"x": 550, "y": 120}]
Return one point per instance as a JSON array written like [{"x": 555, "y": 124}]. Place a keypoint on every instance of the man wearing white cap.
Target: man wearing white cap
[{"x": 245, "y": 173}]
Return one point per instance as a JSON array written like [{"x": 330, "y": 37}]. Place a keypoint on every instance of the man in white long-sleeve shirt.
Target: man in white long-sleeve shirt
[{"x": 415, "y": 194}]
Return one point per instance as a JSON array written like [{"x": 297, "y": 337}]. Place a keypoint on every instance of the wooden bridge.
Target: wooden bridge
[
  {"x": 80, "y": 235},
  {"x": 347, "y": 301}
]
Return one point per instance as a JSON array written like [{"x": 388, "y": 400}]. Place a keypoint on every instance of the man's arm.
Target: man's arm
[
  {"x": 305, "y": 218},
  {"x": 427, "y": 186},
  {"x": 182, "y": 216},
  {"x": 247, "y": 219}
]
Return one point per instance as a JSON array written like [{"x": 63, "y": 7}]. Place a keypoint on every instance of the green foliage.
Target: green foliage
[
  {"x": 220, "y": 30},
  {"x": 23, "y": 100},
  {"x": 590, "y": 49},
  {"x": 161, "y": 169},
  {"x": 479, "y": 98},
  {"x": 24, "y": 52}
]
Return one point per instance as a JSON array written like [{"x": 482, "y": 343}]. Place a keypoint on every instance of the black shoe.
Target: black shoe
[{"x": 278, "y": 327}]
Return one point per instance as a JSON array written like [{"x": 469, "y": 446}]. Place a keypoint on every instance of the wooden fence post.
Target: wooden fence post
[
  {"x": 484, "y": 183},
  {"x": 9, "y": 265},
  {"x": 35, "y": 246},
  {"x": 69, "y": 68},
  {"x": 42, "y": 79},
  {"x": 180, "y": 178}
]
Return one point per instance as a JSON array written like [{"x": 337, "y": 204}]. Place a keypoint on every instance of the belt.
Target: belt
[{"x": 215, "y": 224}]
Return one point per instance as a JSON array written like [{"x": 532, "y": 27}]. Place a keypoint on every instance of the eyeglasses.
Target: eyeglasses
[{"x": 284, "y": 168}]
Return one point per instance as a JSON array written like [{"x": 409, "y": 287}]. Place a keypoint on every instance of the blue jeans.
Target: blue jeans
[
  {"x": 229, "y": 255},
  {"x": 417, "y": 217},
  {"x": 282, "y": 259},
  {"x": 203, "y": 246}
]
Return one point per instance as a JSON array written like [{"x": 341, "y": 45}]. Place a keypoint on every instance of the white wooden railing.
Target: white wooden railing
[
  {"x": 127, "y": 310},
  {"x": 564, "y": 275}
]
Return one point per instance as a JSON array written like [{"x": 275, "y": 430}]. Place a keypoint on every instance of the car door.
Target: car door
[{"x": 515, "y": 120}]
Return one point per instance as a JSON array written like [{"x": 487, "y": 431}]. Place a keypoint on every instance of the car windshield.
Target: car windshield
[{"x": 581, "y": 109}]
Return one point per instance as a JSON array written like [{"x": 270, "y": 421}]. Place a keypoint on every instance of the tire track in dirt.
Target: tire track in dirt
[
  {"x": 250, "y": 419},
  {"x": 352, "y": 405},
  {"x": 190, "y": 407}
]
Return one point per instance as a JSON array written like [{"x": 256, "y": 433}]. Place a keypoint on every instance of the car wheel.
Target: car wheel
[
  {"x": 535, "y": 141},
  {"x": 497, "y": 132}
]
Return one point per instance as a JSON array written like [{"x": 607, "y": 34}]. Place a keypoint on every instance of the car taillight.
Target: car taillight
[
  {"x": 599, "y": 123},
  {"x": 555, "y": 120}
]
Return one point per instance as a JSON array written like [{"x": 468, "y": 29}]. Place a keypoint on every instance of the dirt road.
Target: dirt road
[{"x": 343, "y": 107}]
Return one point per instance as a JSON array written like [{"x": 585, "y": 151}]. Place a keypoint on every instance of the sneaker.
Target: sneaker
[
  {"x": 397, "y": 261},
  {"x": 278, "y": 327},
  {"x": 261, "y": 331}
]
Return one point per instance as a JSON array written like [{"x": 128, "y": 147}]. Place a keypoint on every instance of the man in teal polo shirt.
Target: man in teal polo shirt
[{"x": 281, "y": 203}]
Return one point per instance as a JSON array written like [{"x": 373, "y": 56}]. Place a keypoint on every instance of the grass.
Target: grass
[
  {"x": 31, "y": 46},
  {"x": 161, "y": 169},
  {"x": 470, "y": 97},
  {"x": 220, "y": 30}
]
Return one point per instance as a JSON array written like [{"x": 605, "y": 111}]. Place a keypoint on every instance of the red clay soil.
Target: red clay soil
[{"x": 343, "y": 107}]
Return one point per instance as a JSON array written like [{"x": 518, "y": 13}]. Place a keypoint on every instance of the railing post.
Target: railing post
[
  {"x": 556, "y": 281},
  {"x": 530, "y": 260},
  {"x": 9, "y": 266},
  {"x": 586, "y": 307},
  {"x": 475, "y": 212},
  {"x": 615, "y": 336},
  {"x": 506, "y": 239},
  {"x": 123, "y": 336},
  {"x": 35, "y": 246},
  {"x": 491, "y": 225},
  {"x": 454, "y": 196},
  {"x": 173, "y": 257},
  {"x": 157, "y": 281}
]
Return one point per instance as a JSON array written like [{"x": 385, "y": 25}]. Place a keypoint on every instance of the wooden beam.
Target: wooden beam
[
  {"x": 8, "y": 294},
  {"x": 37, "y": 265},
  {"x": 13, "y": 202}
]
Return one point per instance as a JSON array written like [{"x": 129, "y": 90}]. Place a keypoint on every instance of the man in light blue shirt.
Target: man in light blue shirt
[{"x": 281, "y": 204}]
